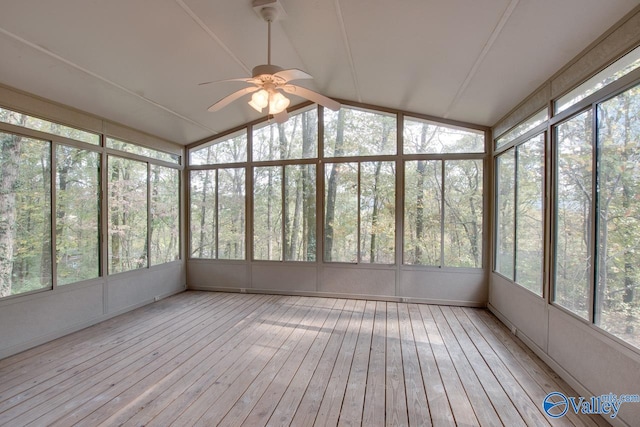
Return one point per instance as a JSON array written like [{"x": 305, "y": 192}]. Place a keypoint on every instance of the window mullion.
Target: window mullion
[{"x": 442, "y": 212}]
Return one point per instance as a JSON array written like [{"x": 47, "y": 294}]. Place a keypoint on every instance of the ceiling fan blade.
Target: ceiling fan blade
[
  {"x": 292, "y": 74},
  {"x": 246, "y": 80},
  {"x": 312, "y": 96},
  {"x": 281, "y": 117},
  {"x": 230, "y": 98}
]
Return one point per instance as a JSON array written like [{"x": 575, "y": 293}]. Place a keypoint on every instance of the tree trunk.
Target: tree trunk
[
  {"x": 45, "y": 250},
  {"x": 308, "y": 186},
  {"x": 115, "y": 219},
  {"x": 332, "y": 187},
  {"x": 376, "y": 201},
  {"x": 203, "y": 212},
  {"x": 9, "y": 157}
]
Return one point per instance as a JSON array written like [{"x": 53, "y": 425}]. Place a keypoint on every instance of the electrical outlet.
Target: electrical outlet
[
  {"x": 156, "y": 298},
  {"x": 514, "y": 331}
]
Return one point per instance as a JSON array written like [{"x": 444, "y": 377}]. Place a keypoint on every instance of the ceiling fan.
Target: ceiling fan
[{"x": 269, "y": 81}]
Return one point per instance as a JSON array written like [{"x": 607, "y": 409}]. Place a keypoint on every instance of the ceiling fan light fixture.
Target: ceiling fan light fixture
[
  {"x": 277, "y": 102},
  {"x": 259, "y": 100},
  {"x": 268, "y": 79}
]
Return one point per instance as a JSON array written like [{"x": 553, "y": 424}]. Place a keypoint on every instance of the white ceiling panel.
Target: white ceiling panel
[
  {"x": 533, "y": 45},
  {"x": 139, "y": 62}
]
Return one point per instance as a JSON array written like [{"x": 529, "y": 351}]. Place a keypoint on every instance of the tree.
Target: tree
[
  {"x": 332, "y": 187},
  {"x": 10, "y": 155}
]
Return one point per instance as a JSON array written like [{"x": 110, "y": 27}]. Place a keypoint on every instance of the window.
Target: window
[
  {"x": 520, "y": 214},
  {"x": 463, "y": 213},
  {"x": 77, "y": 214},
  {"x": 360, "y": 212},
  {"x": 25, "y": 213},
  {"x": 142, "y": 151},
  {"x": 284, "y": 211},
  {"x": 425, "y": 137},
  {"x": 267, "y": 213},
  {"x": 530, "y": 123},
  {"x": 231, "y": 213},
  {"x": 218, "y": 213},
  {"x": 377, "y": 212},
  {"x": 618, "y": 273},
  {"x": 443, "y": 216},
  {"x": 50, "y": 206},
  {"x": 530, "y": 214},
  {"x": 505, "y": 214},
  {"x": 423, "y": 212},
  {"x": 356, "y": 132},
  {"x": 165, "y": 214},
  {"x": 613, "y": 72},
  {"x": 443, "y": 231},
  {"x": 300, "y": 212},
  {"x": 203, "y": 213},
  {"x": 574, "y": 191},
  {"x": 34, "y": 123},
  {"x": 229, "y": 149},
  {"x": 127, "y": 188},
  {"x": 341, "y": 212},
  {"x": 297, "y": 138}
]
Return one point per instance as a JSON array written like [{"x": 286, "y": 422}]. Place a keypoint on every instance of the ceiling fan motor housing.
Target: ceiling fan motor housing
[{"x": 263, "y": 69}]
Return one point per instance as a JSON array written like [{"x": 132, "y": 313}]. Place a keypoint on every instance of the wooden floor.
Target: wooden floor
[{"x": 203, "y": 358}]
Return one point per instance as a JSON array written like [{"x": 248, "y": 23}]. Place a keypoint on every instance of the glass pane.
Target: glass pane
[
  {"x": 377, "y": 212},
  {"x": 505, "y": 213},
  {"x": 142, "y": 151},
  {"x": 524, "y": 127},
  {"x": 267, "y": 213},
  {"x": 422, "y": 136},
  {"x": 165, "y": 214},
  {"x": 231, "y": 149},
  {"x": 422, "y": 212},
  {"x": 300, "y": 212},
  {"x": 355, "y": 132},
  {"x": 341, "y": 212},
  {"x": 77, "y": 214},
  {"x": 613, "y": 72},
  {"x": 573, "y": 218},
  {"x": 618, "y": 281},
  {"x": 25, "y": 213},
  {"x": 297, "y": 138},
  {"x": 203, "y": 214},
  {"x": 231, "y": 213},
  {"x": 127, "y": 187},
  {"x": 34, "y": 123},
  {"x": 530, "y": 214},
  {"x": 463, "y": 213}
]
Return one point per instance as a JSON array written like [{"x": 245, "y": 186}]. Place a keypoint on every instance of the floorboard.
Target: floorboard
[{"x": 206, "y": 359}]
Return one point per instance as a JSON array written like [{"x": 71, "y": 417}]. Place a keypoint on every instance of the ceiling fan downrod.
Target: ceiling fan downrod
[{"x": 269, "y": 14}]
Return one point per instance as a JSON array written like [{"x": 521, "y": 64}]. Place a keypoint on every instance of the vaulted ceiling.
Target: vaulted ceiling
[{"x": 139, "y": 62}]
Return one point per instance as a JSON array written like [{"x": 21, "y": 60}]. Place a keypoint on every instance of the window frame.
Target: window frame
[
  {"x": 399, "y": 158},
  {"x": 102, "y": 152}
]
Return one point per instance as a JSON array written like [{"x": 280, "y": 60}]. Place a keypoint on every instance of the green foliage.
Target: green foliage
[
  {"x": 519, "y": 213},
  {"x": 25, "y": 214},
  {"x": 573, "y": 214},
  {"x": 618, "y": 279},
  {"x": 127, "y": 232},
  {"x": 77, "y": 214},
  {"x": 165, "y": 215}
]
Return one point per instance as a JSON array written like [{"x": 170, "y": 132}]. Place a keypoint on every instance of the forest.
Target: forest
[
  {"x": 50, "y": 202},
  {"x": 596, "y": 225},
  {"x": 50, "y": 208},
  {"x": 358, "y": 175}
]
